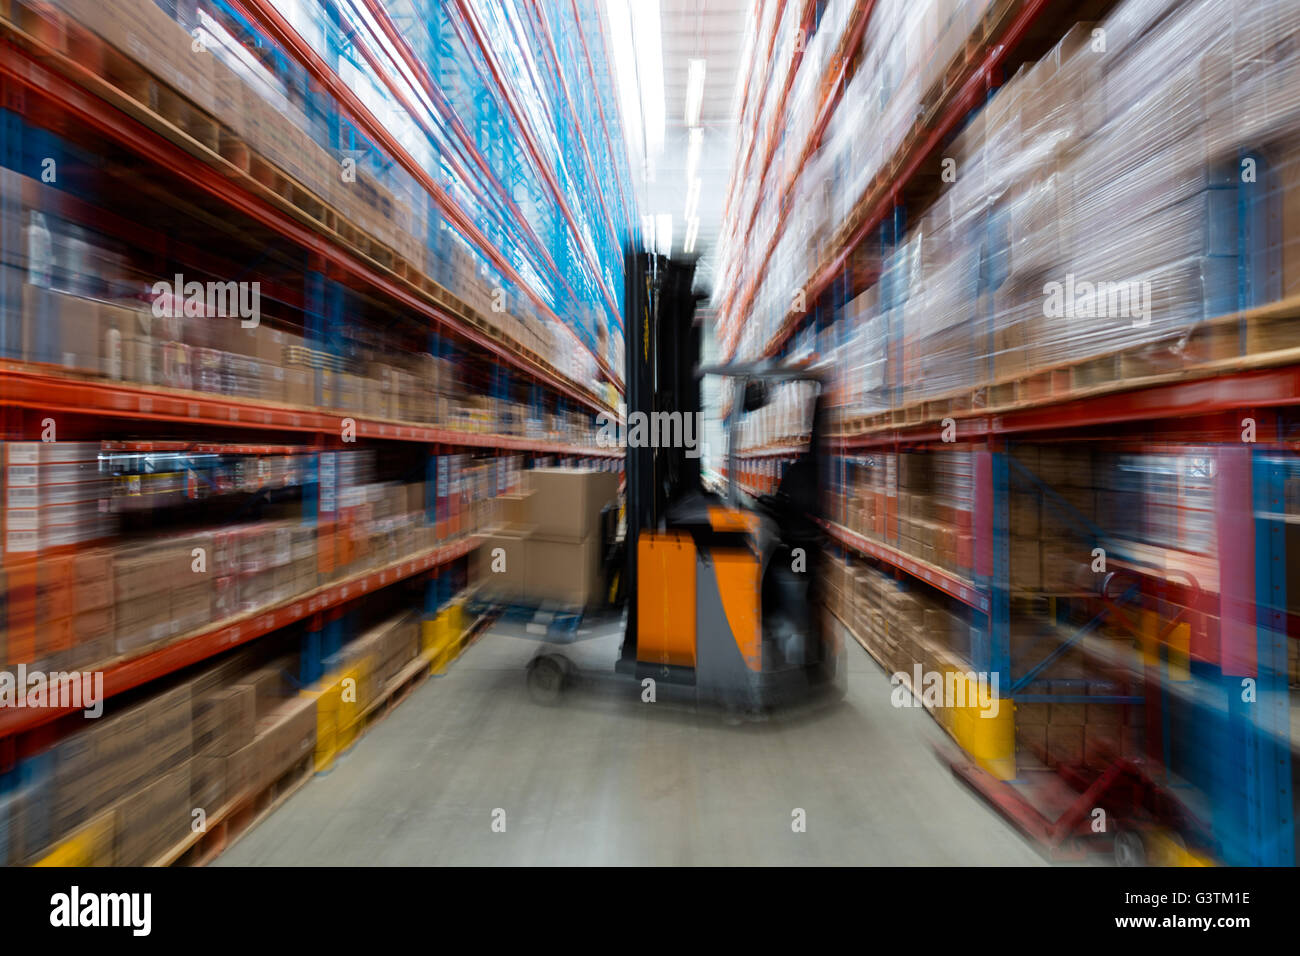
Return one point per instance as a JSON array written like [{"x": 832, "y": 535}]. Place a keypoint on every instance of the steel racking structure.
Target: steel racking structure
[
  {"x": 171, "y": 185},
  {"x": 1239, "y": 763}
]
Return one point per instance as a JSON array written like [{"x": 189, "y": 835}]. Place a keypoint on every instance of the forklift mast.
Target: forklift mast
[{"x": 662, "y": 344}]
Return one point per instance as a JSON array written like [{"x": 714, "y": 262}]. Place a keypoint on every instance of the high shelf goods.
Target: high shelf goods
[
  {"x": 1059, "y": 285},
  {"x": 286, "y": 300}
]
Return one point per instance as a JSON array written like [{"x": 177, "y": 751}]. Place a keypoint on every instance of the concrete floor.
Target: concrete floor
[{"x": 606, "y": 779}]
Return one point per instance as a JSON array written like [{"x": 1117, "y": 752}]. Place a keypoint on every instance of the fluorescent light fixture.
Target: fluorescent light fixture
[
  {"x": 664, "y": 233},
  {"x": 692, "y": 233},
  {"x": 693, "y": 150},
  {"x": 692, "y": 198},
  {"x": 636, "y": 42},
  {"x": 694, "y": 91}
]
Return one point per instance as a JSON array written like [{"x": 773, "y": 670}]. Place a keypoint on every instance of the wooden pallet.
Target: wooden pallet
[
  {"x": 1269, "y": 331},
  {"x": 1041, "y": 386},
  {"x": 937, "y": 409}
]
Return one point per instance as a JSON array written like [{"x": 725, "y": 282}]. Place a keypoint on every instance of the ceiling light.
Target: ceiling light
[
  {"x": 664, "y": 233},
  {"x": 692, "y": 198},
  {"x": 694, "y": 91},
  {"x": 693, "y": 151},
  {"x": 636, "y": 40},
  {"x": 692, "y": 233}
]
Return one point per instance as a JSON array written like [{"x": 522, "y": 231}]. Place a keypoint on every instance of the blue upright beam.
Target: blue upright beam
[{"x": 1270, "y": 816}]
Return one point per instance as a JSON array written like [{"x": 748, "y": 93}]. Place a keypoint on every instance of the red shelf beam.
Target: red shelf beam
[
  {"x": 1202, "y": 403},
  {"x": 951, "y": 584},
  {"x": 25, "y": 387}
]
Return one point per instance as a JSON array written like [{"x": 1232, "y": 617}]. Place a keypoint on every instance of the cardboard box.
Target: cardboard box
[
  {"x": 284, "y": 736},
  {"x": 1064, "y": 744},
  {"x": 138, "y": 574},
  {"x": 241, "y": 770},
  {"x": 92, "y": 566},
  {"x": 501, "y": 562},
  {"x": 208, "y": 784},
  {"x": 154, "y": 819},
  {"x": 1068, "y": 714},
  {"x": 566, "y": 502},
  {"x": 142, "y": 621},
  {"x": 1032, "y": 739},
  {"x": 567, "y": 572},
  {"x": 1026, "y": 564},
  {"x": 92, "y": 595},
  {"x": 515, "y": 508},
  {"x": 191, "y": 607},
  {"x": 94, "y": 625},
  {"x": 269, "y": 688}
]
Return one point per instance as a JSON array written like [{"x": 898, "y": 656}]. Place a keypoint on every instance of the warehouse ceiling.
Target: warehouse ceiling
[{"x": 711, "y": 32}]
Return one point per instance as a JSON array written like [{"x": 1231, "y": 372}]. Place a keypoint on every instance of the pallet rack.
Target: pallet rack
[
  {"x": 187, "y": 189},
  {"x": 1244, "y": 760}
]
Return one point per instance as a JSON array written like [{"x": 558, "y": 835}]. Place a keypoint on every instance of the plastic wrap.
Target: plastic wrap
[
  {"x": 1092, "y": 210},
  {"x": 886, "y": 95}
]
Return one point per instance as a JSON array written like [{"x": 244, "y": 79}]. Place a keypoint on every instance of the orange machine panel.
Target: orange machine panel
[
  {"x": 731, "y": 519},
  {"x": 738, "y": 585},
  {"x": 665, "y": 598}
]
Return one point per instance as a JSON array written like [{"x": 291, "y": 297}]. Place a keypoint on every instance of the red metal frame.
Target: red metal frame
[
  {"x": 965, "y": 99},
  {"x": 600, "y": 108},
  {"x": 832, "y": 90},
  {"x": 30, "y": 386},
  {"x": 953, "y": 585},
  {"x": 268, "y": 19},
  {"x": 43, "y": 83},
  {"x": 490, "y": 57},
  {"x": 1207, "y": 405}
]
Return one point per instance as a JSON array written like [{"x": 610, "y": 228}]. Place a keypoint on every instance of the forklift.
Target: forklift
[{"x": 723, "y": 591}]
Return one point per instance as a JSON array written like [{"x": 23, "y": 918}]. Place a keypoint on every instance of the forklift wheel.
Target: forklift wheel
[
  {"x": 546, "y": 679},
  {"x": 1129, "y": 849}
]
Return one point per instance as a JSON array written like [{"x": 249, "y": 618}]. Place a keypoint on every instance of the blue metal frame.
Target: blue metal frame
[{"x": 1267, "y": 728}]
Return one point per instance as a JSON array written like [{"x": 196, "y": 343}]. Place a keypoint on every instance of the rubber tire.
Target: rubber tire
[
  {"x": 1129, "y": 849},
  {"x": 547, "y": 676}
]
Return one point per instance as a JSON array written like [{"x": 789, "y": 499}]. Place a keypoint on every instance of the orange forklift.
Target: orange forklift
[{"x": 722, "y": 590}]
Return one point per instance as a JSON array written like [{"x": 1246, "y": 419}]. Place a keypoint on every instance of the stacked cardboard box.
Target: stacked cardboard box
[
  {"x": 1039, "y": 175},
  {"x": 904, "y": 628},
  {"x": 548, "y": 545},
  {"x": 78, "y": 606},
  {"x": 133, "y": 764}
]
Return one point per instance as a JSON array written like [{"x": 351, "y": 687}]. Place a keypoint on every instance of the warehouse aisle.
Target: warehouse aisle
[{"x": 606, "y": 779}]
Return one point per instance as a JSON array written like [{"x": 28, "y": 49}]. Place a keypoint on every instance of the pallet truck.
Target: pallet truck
[{"x": 722, "y": 591}]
